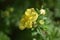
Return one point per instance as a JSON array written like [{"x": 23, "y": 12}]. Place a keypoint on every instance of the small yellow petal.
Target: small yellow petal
[
  {"x": 28, "y": 24},
  {"x": 35, "y": 16},
  {"x": 21, "y": 27},
  {"x": 22, "y": 24},
  {"x": 28, "y": 12}
]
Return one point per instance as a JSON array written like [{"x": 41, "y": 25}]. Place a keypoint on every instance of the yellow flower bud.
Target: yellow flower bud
[
  {"x": 21, "y": 27},
  {"x": 42, "y": 11},
  {"x": 41, "y": 22}
]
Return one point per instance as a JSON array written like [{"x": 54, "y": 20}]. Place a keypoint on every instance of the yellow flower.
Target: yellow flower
[
  {"x": 42, "y": 11},
  {"x": 41, "y": 22},
  {"x": 28, "y": 18},
  {"x": 32, "y": 14}
]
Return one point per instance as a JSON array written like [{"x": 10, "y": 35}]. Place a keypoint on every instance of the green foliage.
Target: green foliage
[
  {"x": 3, "y": 36},
  {"x": 11, "y": 12}
]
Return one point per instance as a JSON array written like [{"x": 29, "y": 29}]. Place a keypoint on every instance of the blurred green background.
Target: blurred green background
[{"x": 11, "y": 12}]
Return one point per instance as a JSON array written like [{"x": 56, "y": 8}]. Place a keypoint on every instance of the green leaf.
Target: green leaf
[{"x": 3, "y": 36}]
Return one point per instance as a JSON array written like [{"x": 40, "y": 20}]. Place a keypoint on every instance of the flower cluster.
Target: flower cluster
[{"x": 28, "y": 19}]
